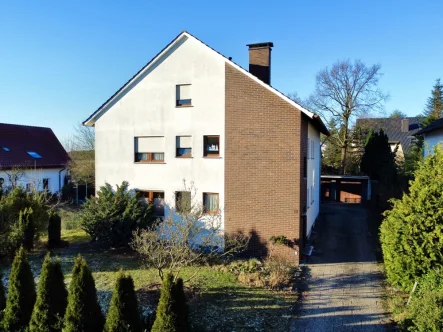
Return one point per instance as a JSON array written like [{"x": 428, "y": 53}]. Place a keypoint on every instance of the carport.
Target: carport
[{"x": 345, "y": 188}]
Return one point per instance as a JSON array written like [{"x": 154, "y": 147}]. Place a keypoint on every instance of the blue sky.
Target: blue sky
[{"x": 60, "y": 60}]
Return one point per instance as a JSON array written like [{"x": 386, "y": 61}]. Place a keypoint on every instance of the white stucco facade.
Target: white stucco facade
[
  {"x": 148, "y": 108},
  {"x": 36, "y": 177},
  {"x": 431, "y": 140},
  {"x": 313, "y": 178}
]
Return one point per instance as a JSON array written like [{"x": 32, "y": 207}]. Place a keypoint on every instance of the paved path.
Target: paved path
[{"x": 343, "y": 279}]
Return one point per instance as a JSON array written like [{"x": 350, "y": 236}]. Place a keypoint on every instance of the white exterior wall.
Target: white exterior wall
[
  {"x": 148, "y": 109},
  {"x": 431, "y": 140},
  {"x": 313, "y": 178},
  {"x": 35, "y": 178}
]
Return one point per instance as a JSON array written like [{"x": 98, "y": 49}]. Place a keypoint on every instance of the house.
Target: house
[
  {"x": 190, "y": 113},
  {"x": 433, "y": 135},
  {"x": 31, "y": 157},
  {"x": 400, "y": 131}
]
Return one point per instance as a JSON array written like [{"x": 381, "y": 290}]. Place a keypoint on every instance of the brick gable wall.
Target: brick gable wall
[{"x": 263, "y": 164}]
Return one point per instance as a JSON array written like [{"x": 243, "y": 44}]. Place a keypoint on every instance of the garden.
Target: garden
[{"x": 113, "y": 252}]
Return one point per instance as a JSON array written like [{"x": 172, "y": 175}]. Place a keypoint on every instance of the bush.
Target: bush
[
  {"x": 52, "y": 299},
  {"x": 21, "y": 294},
  {"x": 425, "y": 312},
  {"x": 83, "y": 312},
  {"x": 27, "y": 228},
  {"x": 180, "y": 306},
  {"x": 165, "y": 317},
  {"x": 10, "y": 206},
  {"x": 2, "y": 298},
  {"x": 411, "y": 233},
  {"x": 112, "y": 217},
  {"x": 123, "y": 314},
  {"x": 54, "y": 230}
]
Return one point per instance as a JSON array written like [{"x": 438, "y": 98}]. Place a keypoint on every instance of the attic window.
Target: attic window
[
  {"x": 6, "y": 149},
  {"x": 183, "y": 95},
  {"x": 34, "y": 155}
]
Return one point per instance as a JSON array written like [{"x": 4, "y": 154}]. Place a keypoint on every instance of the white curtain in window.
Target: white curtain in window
[
  {"x": 183, "y": 92},
  {"x": 150, "y": 144},
  {"x": 184, "y": 141},
  {"x": 211, "y": 202}
]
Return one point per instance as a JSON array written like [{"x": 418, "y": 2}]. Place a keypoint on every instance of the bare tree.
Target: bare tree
[
  {"x": 15, "y": 174},
  {"x": 187, "y": 236},
  {"x": 345, "y": 91}
]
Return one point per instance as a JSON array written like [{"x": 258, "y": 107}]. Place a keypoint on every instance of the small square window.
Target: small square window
[
  {"x": 45, "y": 184},
  {"x": 156, "y": 198},
  {"x": 211, "y": 146},
  {"x": 183, "y": 95},
  {"x": 184, "y": 146},
  {"x": 183, "y": 201},
  {"x": 210, "y": 203}
]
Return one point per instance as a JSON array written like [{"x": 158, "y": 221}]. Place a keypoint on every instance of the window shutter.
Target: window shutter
[
  {"x": 183, "y": 92},
  {"x": 184, "y": 141},
  {"x": 150, "y": 144}
]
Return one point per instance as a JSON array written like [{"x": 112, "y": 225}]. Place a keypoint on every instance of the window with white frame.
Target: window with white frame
[
  {"x": 183, "y": 95},
  {"x": 149, "y": 149}
]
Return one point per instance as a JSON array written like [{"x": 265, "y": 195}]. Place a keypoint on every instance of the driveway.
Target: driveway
[{"x": 343, "y": 288}]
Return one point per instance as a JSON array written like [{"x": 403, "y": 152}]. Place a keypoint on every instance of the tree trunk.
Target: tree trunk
[{"x": 344, "y": 147}]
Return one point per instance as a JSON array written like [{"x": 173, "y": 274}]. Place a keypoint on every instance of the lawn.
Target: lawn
[{"x": 218, "y": 302}]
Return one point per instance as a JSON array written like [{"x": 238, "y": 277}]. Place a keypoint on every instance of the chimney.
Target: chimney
[
  {"x": 404, "y": 125},
  {"x": 260, "y": 60}
]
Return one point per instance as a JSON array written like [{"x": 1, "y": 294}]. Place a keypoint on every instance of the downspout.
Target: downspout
[{"x": 59, "y": 179}]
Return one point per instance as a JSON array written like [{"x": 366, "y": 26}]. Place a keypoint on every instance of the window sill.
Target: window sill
[
  {"x": 212, "y": 157},
  {"x": 184, "y": 106},
  {"x": 149, "y": 162},
  {"x": 178, "y": 157}
]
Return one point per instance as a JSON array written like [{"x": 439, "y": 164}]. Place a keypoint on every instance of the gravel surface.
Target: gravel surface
[{"x": 343, "y": 289}]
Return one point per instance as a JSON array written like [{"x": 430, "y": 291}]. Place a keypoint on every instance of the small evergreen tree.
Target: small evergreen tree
[
  {"x": 123, "y": 314},
  {"x": 54, "y": 230},
  {"x": 26, "y": 224},
  {"x": 165, "y": 318},
  {"x": 52, "y": 298},
  {"x": 2, "y": 298},
  {"x": 21, "y": 294},
  {"x": 83, "y": 313},
  {"x": 412, "y": 232},
  {"x": 434, "y": 105},
  {"x": 180, "y": 306}
]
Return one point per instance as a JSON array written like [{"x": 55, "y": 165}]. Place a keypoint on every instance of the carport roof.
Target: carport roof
[{"x": 347, "y": 177}]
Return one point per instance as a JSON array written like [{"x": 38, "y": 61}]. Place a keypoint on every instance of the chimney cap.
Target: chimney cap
[{"x": 257, "y": 45}]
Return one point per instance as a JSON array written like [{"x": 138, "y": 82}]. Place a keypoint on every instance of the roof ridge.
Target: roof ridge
[{"x": 20, "y": 125}]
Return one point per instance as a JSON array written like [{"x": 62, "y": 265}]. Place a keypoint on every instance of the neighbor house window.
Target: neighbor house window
[
  {"x": 34, "y": 155},
  {"x": 184, "y": 146},
  {"x": 45, "y": 184},
  {"x": 28, "y": 187},
  {"x": 183, "y": 201},
  {"x": 210, "y": 203},
  {"x": 211, "y": 146},
  {"x": 183, "y": 95},
  {"x": 156, "y": 198},
  {"x": 149, "y": 149}
]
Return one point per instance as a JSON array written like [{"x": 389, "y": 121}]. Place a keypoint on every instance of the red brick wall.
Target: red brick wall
[{"x": 263, "y": 164}]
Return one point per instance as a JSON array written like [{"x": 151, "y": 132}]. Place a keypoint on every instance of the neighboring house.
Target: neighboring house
[
  {"x": 400, "y": 131},
  {"x": 31, "y": 157},
  {"x": 252, "y": 153},
  {"x": 433, "y": 135}
]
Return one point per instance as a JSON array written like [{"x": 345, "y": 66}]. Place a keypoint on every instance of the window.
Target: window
[
  {"x": 34, "y": 155},
  {"x": 6, "y": 149},
  {"x": 45, "y": 184},
  {"x": 184, "y": 146},
  {"x": 157, "y": 198},
  {"x": 183, "y": 95},
  {"x": 211, "y": 146},
  {"x": 28, "y": 187},
  {"x": 148, "y": 149},
  {"x": 210, "y": 203},
  {"x": 183, "y": 201}
]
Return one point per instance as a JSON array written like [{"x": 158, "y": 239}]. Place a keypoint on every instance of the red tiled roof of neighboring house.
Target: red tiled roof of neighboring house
[{"x": 21, "y": 146}]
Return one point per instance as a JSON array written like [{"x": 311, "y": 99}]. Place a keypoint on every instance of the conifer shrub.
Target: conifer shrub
[
  {"x": 54, "y": 230},
  {"x": 21, "y": 294},
  {"x": 26, "y": 223},
  {"x": 2, "y": 298},
  {"x": 180, "y": 306},
  {"x": 165, "y": 317},
  {"x": 83, "y": 313},
  {"x": 412, "y": 231},
  {"x": 123, "y": 314},
  {"x": 52, "y": 298}
]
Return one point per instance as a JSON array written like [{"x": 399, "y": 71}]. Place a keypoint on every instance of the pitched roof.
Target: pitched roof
[
  {"x": 392, "y": 128},
  {"x": 103, "y": 108},
  {"x": 18, "y": 145},
  {"x": 437, "y": 124}
]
